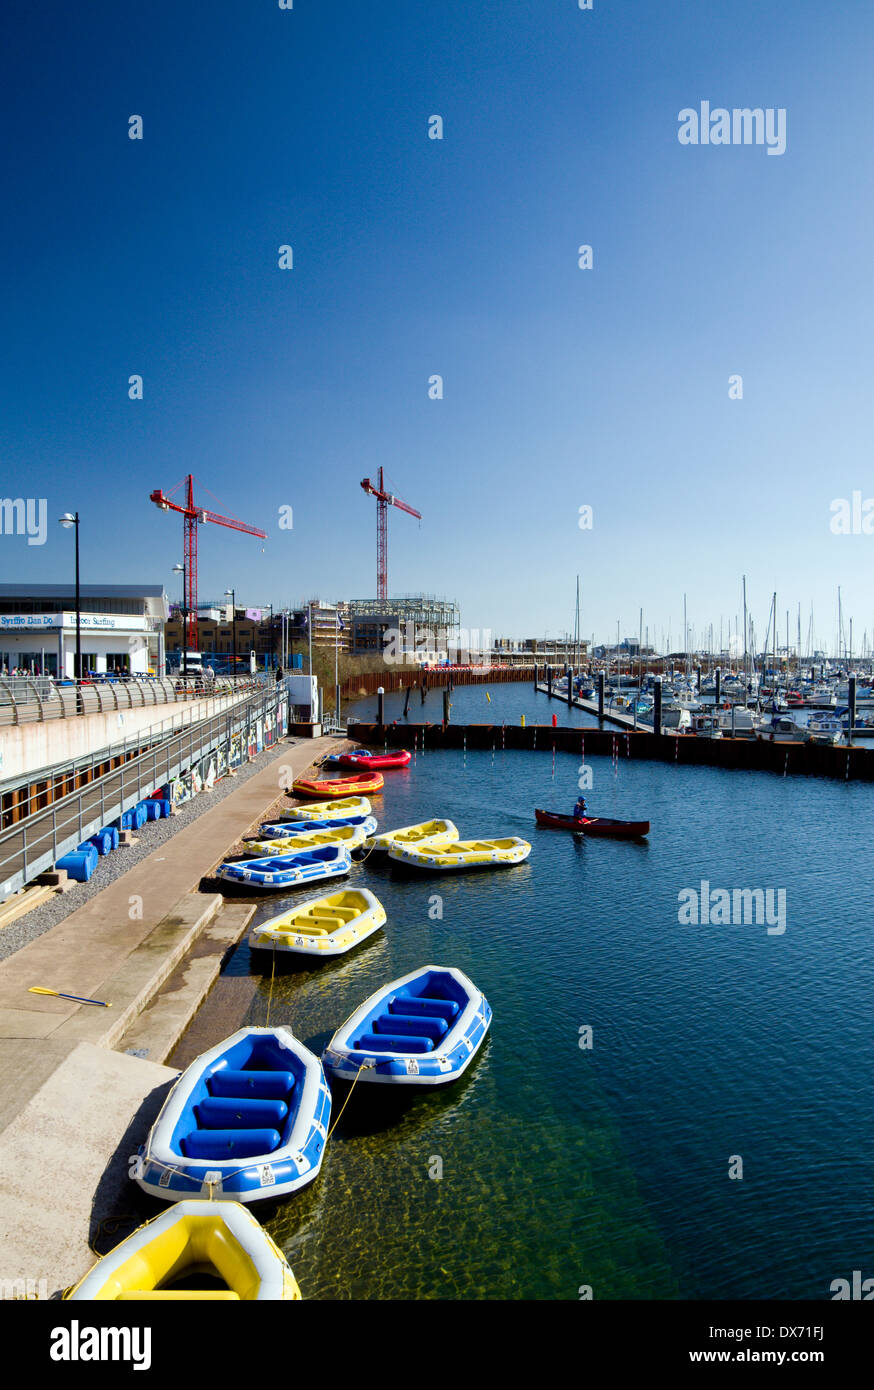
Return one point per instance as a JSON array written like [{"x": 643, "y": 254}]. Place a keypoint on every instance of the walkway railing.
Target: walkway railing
[
  {"x": 36, "y": 844},
  {"x": 41, "y": 783},
  {"x": 28, "y": 700}
]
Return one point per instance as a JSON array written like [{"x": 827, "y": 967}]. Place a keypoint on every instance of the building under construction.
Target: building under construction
[{"x": 407, "y": 627}]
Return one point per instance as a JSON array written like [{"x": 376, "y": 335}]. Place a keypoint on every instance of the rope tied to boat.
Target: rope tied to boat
[
  {"x": 272, "y": 977},
  {"x": 365, "y": 1066},
  {"x": 109, "y": 1226}
]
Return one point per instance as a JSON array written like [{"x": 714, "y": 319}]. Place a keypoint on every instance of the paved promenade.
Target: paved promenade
[{"x": 72, "y": 1110}]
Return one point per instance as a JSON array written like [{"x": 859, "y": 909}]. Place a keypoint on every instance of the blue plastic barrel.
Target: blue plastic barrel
[
  {"x": 102, "y": 842},
  {"x": 80, "y": 864},
  {"x": 153, "y": 809},
  {"x": 140, "y": 814}
]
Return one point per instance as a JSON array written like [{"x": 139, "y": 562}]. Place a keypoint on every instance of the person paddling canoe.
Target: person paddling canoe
[{"x": 580, "y": 811}]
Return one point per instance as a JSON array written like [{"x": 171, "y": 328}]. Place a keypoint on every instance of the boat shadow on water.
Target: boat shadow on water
[
  {"x": 412, "y": 873},
  {"x": 372, "y": 1110},
  {"x": 285, "y": 965}
]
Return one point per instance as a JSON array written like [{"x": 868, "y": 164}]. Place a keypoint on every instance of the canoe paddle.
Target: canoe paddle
[{"x": 35, "y": 989}]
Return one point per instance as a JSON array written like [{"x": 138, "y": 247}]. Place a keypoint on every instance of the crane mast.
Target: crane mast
[
  {"x": 384, "y": 500},
  {"x": 193, "y": 517}
]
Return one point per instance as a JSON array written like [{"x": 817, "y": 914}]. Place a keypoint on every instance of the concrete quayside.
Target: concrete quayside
[{"x": 80, "y": 1084}]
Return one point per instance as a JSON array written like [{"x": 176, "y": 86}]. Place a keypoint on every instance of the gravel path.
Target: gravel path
[{"x": 150, "y": 836}]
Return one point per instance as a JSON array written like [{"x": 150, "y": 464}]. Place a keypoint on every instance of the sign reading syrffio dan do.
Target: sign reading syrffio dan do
[{"x": 93, "y": 622}]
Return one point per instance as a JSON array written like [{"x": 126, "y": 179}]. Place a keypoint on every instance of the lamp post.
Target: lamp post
[
  {"x": 232, "y": 595},
  {"x": 180, "y": 569},
  {"x": 338, "y": 626},
  {"x": 67, "y": 520},
  {"x": 270, "y": 638},
  {"x": 289, "y": 639}
]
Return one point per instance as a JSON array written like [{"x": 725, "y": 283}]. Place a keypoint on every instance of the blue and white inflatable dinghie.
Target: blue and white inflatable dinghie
[
  {"x": 278, "y": 829},
  {"x": 246, "y": 1121},
  {"x": 421, "y": 1030},
  {"x": 288, "y": 870}
]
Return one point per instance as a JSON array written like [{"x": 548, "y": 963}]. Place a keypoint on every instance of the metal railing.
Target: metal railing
[
  {"x": 39, "y": 779},
  {"x": 36, "y": 844},
  {"x": 28, "y": 700}
]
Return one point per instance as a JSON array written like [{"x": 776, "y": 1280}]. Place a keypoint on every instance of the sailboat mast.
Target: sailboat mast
[
  {"x": 685, "y": 638},
  {"x": 577, "y": 625},
  {"x": 640, "y": 652}
]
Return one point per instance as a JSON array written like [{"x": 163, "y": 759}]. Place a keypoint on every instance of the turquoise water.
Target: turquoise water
[{"x": 563, "y": 1167}]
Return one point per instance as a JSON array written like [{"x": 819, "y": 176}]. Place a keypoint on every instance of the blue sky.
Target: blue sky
[{"x": 562, "y": 387}]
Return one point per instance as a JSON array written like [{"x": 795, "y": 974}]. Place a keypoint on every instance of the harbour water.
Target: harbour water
[
  {"x": 550, "y": 1167},
  {"x": 476, "y": 704}
]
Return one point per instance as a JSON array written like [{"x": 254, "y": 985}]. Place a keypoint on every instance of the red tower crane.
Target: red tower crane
[
  {"x": 194, "y": 517},
  {"x": 384, "y": 500}
]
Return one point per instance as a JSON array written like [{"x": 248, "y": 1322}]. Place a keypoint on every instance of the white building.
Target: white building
[{"x": 121, "y": 628}]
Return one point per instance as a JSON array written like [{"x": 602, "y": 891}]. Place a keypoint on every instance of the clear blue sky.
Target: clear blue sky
[{"x": 412, "y": 257}]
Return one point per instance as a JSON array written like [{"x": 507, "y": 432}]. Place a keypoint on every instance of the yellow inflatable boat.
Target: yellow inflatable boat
[
  {"x": 349, "y": 836},
  {"x": 464, "y": 854},
  {"x": 432, "y": 832},
  {"x": 193, "y": 1251},
  {"x": 328, "y": 926},
  {"x": 331, "y": 810}
]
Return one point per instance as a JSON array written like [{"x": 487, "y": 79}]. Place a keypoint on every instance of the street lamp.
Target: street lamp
[
  {"x": 270, "y": 638},
  {"x": 180, "y": 569},
  {"x": 72, "y": 519},
  {"x": 232, "y": 595}
]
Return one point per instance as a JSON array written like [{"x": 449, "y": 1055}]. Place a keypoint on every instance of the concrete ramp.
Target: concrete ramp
[{"x": 63, "y": 1109}]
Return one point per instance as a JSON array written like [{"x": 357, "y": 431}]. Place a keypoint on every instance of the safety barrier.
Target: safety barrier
[
  {"x": 36, "y": 844},
  {"x": 25, "y": 700},
  {"x": 23, "y": 795}
]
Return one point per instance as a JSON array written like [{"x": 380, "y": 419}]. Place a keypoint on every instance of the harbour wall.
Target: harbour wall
[{"x": 740, "y": 754}]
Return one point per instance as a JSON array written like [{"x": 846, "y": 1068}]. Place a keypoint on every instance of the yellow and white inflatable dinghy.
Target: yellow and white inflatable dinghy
[
  {"x": 330, "y": 810},
  {"x": 327, "y": 926},
  {"x": 464, "y": 854},
  {"x": 432, "y": 832},
  {"x": 349, "y": 836},
  {"x": 193, "y": 1251}
]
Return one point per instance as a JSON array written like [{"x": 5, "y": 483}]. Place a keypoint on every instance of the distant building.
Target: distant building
[
  {"x": 563, "y": 649},
  {"x": 410, "y": 628},
  {"x": 259, "y": 630},
  {"x": 121, "y": 628}
]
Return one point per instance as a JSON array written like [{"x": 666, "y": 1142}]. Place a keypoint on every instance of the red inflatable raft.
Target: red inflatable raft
[
  {"x": 595, "y": 825},
  {"x": 380, "y": 761},
  {"x": 362, "y": 782}
]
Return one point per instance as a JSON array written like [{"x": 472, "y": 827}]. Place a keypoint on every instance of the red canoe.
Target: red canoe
[
  {"x": 595, "y": 825},
  {"x": 378, "y": 761}
]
